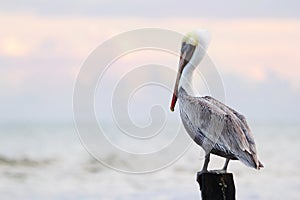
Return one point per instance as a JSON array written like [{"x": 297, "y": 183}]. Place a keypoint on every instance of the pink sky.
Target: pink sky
[
  {"x": 54, "y": 48},
  {"x": 246, "y": 47}
]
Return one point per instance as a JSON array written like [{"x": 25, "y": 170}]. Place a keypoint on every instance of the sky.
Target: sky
[{"x": 254, "y": 45}]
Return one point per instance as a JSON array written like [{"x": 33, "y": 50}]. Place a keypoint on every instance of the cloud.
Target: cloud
[
  {"x": 12, "y": 46},
  {"x": 245, "y": 47},
  {"x": 272, "y": 100},
  {"x": 251, "y": 48},
  {"x": 167, "y": 8},
  {"x": 41, "y": 56}
]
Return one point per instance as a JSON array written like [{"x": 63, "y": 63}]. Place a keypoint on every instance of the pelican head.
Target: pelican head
[{"x": 193, "y": 47}]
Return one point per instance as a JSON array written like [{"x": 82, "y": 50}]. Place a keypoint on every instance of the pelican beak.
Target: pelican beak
[{"x": 187, "y": 51}]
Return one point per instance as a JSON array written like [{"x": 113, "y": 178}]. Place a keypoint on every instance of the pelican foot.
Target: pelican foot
[{"x": 202, "y": 172}]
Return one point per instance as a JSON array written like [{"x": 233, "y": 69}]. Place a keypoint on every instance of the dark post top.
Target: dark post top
[{"x": 216, "y": 186}]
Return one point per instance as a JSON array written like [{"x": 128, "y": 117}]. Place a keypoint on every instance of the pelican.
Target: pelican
[{"x": 217, "y": 128}]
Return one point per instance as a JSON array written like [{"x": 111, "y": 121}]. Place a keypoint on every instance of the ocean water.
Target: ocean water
[{"x": 47, "y": 161}]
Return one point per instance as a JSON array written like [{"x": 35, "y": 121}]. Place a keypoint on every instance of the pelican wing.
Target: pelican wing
[
  {"x": 223, "y": 130},
  {"x": 203, "y": 121},
  {"x": 241, "y": 121}
]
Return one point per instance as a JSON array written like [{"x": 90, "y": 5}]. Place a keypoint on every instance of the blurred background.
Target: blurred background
[{"x": 43, "y": 44}]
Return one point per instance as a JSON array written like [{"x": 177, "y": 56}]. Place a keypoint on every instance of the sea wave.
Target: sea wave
[{"x": 25, "y": 162}]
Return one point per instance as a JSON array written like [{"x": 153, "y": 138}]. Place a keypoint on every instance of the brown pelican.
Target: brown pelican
[{"x": 217, "y": 128}]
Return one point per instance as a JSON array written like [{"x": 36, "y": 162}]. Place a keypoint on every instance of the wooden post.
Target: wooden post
[{"x": 216, "y": 186}]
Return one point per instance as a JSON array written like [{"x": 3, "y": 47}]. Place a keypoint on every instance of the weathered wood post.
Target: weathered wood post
[{"x": 216, "y": 186}]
